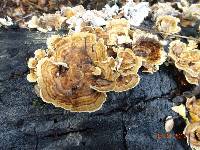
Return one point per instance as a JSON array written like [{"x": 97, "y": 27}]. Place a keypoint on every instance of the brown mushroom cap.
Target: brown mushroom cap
[
  {"x": 189, "y": 61},
  {"x": 106, "y": 81},
  {"x": 47, "y": 22},
  {"x": 186, "y": 58},
  {"x": 128, "y": 62},
  {"x": 191, "y": 79},
  {"x": 32, "y": 62},
  {"x": 168, "y": 24},
  {"x": 193, "y": 106},
  {"x": 108, "y": 69},
  {"x": 32, "y": 76},
  {"x": 116, "y": 28},
  {"x": 176, "y": 48},
  {"x": 65, "y": 78},
  {"x": 67, "y": 87},
  {"x": 148, "y": 47},
  {"x": 98, "y": 31},
  {"x": 76, "y": 70},
  {"x": 124, "y": 83},
  {"x": 192, "y": 132}
]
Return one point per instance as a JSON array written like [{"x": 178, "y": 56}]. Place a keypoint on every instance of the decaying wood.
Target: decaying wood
[{"x": 130, "y": 120}]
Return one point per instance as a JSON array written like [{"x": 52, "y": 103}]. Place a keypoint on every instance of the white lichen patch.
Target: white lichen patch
[{"x": 6, "y": 21}]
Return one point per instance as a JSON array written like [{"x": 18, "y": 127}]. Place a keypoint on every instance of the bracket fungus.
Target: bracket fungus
[
  {"x": 78, "y": 71},
  {"x": 148, "y": 47},
  {"x": 47, "y": 22},
  {"x": 128, "y": 62},
  {"x": 168, "y": 24},
  {"x": 176, "y": 47},
  {"x": 32, "y": 64},
  {"x": 63, "y": 79},
  {"x": 118, "y": 31},
  {"x": 192, "y": 132},
  {"x": 186, "y": 58},
  {"x": 193, "y": 107}
]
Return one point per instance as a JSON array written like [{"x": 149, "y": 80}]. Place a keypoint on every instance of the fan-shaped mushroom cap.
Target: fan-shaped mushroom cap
[
  {"x": 98, "y": 31},
  {"x": 108, "y": 69},
  {"x": 176, "y": 48},
  {"x": 118, "y": 28},
  {"x": 108, "y": 76},
  {"x": 76, "y": 70},
  {"x": 148, "y": 47},
  {"x": 193, "y": 106},
  {"x": 186, "y": 58},
  {"x": 191, "y": 79},
  {"x": 127, "y": 62},
  {"x": 32, "y": 76},
  {"x": 69, "y": 88},
  {"x": 65, "y": 79},
  {"x": 39, "y": 54},
  {"x": 124, "y": 83},
  {"x": 32, "y": 62},
  {"x": 168, "y": 24},
  {"x": 47, "y": 22},
  {"x": 189, "y": 61},
  {"x": 123, "y": 74},
  {"x": 192, "y": 132}
]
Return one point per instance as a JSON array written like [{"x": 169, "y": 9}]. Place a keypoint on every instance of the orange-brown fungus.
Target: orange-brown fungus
[
  {"x": 99, "y": 31},
  {"x": 128, "y": 62},
  {"x": 68, "y": 88},
  {"x": 193, "y": 107},
  {"x": 186, "y": 58},
  {"x": 168, "y": 24},
  {"x": 76, "y": 70},
  {"x": 192, "y": 132},
  {"x": 124, "y": 83},
  {"x": 66, "y": 77},
  {"x": 117, "y": 30},
  {"x": 176, "y": 48},
  {"x": 47, "y": 22},
  {"x": 148, "y": 47}
]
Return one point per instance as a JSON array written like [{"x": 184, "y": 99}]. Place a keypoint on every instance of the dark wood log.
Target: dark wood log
[{"x": 128, "y": 120}]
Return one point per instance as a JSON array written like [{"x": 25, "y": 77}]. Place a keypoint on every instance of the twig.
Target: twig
[{"x": 29, "y": 15}]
